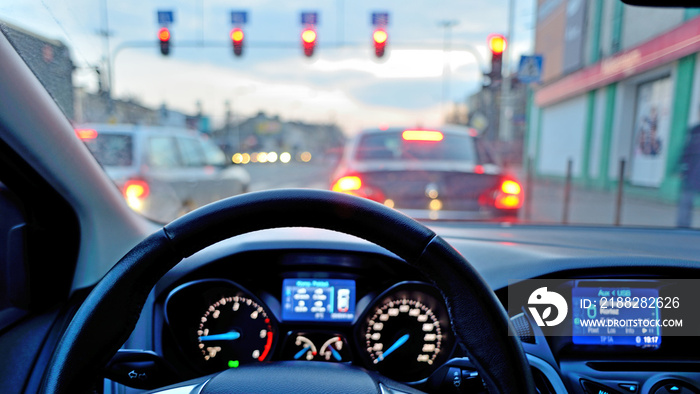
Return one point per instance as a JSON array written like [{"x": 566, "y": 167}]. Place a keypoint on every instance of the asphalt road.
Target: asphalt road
[{"x": 265, "y": 176}]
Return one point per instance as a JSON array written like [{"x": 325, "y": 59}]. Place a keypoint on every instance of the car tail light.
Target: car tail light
[
  {"x": 352, "y": 184},
  {"x": 347, "y": 184},
  {"x": 509, "y": 196},
  {"x": 86, "y": 134},
  {"x": 422, "y": 135},
  {"x": 135, "y": 191}
]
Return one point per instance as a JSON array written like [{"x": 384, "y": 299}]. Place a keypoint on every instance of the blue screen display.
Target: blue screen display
[
  {"x": 615, "y": 316},
  {"x": 323, "y": 300}
]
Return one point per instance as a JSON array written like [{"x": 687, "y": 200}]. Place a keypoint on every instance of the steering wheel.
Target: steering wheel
[{"x": 110, "y": 312}]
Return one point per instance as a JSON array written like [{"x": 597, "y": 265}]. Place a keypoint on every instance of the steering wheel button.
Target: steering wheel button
[{"x": 455, "y": 375}]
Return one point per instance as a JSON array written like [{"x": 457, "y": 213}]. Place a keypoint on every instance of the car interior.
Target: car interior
[{"x": 97, "y": 298}]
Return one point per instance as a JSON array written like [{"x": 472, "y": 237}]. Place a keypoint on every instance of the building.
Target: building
[
  {"x": 619, "y": 83},
  {"x": 269, "y": 133},
  {"x": 49, "y": 60}
]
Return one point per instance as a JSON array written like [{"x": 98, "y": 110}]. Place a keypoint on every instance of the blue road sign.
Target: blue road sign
[
  {"x": 309, "y": 18},
  {"x": 239, "y": 17},
  {"x": 530, "y": 68},
  {"x": 380, "y": 19},
  {"x": 165, "y": 17}
]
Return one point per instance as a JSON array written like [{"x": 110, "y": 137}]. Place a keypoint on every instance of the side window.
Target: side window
[
  {"x": 213, "y": 155},
  {"x": 191, "y": 150},
  {"x": 162, "y": 152}
]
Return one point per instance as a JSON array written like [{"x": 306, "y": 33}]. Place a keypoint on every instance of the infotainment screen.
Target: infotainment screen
[
  {"x": 323, "y": 300},
  {"x": 615, "y": 316}
]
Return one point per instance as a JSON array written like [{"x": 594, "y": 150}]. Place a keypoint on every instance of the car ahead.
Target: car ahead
[
  {"x": 445, "y": 173},
  {"x": 163, "y": 172}
]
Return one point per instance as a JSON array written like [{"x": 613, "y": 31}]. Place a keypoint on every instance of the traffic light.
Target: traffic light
[
  {"x": 379, "y": 37},
  {"x": 308, "y": 40},
  {"x": 237, "y": 39},
  {"x": 164, "y": 37},
  {"x": 497, "y": 44}
]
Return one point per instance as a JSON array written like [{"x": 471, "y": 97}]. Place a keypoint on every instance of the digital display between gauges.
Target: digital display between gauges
[
  {"x": 323, "y": 300},
  {"x": 407, "y": 334}
]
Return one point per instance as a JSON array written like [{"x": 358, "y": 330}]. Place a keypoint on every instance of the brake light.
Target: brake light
[
  {"x": 135, "y": 191},
  {"x": 353, "y": 184},
  {"x": 86, "y": 134},
  {"x": 422, "y": 135},
  {"x": 136, "y": 188},
  {"x": 510, "y": 187},
  {"x": 347, "y": 183},
  {"x": 479, "y": 169},
  {"x": 509, "y": 196}
]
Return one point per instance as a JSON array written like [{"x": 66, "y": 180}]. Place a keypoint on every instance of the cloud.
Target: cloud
[{"x": 341, "y": 82}]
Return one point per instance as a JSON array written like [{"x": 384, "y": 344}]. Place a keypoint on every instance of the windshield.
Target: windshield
[
  {"x": 547, "y": 111},
  {"x": 392, "y": 146}
]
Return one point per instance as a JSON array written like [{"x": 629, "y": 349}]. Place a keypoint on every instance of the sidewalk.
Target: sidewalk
[{"x": 598, "y": 207}]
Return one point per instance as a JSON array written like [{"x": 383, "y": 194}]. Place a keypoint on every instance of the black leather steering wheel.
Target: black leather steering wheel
[{"x": 109, "y": 314}]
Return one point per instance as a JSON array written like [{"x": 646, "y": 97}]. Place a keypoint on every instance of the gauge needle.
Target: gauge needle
[
  {"x": 301, "y": 352},
  {"x": 335, "y": 353},
  {"x": 393, "y": 347},
  {"x": 227, "y": 336}
]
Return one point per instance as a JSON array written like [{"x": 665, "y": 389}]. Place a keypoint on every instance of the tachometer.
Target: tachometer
[{"x": 407, "y": 334}]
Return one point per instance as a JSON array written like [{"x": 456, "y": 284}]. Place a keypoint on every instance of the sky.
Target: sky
[{"x": 344, "y": 84}]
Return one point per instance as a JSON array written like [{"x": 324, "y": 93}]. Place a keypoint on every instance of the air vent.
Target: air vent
[{"x": 523, "y": 328}]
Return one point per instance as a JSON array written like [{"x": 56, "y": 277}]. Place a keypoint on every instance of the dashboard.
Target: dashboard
[
  {"x": 318, "y": 296},
  {"x": 364, "y": 309}
]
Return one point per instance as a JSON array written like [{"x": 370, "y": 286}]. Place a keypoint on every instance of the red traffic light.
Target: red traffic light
[
  {"x": 237, "y": 40},
  {"x": 164, "y": 34},
  {"x": 237, "y": 35},
  {"x": 164, "y": 38},
  {"x": 379, "y": 37},
  {"x": 497, "y": 43},
  {"x": 308, "y": 40}
]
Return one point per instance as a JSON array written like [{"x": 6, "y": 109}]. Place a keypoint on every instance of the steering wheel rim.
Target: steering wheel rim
[{"x": 114, "y": 305}]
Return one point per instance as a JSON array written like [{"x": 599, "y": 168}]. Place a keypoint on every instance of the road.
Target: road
[{"x": 278, "y": 175}]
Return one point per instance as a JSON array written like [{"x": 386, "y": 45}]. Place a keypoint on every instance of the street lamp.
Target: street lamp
[{"x": 447, "y": 25}]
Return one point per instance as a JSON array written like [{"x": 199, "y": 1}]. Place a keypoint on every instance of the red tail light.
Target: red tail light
[
  {"x": 86, "y": 134},
  {"x": 347, "y": 184},
  {"x": 135, "y": 191},
  {"x": 353, "y": 184},
  {"x": 509, "y": 196},
  {"x": 136, "y": 188}
]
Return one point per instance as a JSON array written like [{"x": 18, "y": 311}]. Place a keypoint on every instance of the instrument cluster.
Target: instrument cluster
[{"x": 403, "y": 331}]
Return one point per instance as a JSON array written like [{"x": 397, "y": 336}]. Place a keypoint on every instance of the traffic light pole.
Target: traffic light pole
[{"x": 506, "y": 112}]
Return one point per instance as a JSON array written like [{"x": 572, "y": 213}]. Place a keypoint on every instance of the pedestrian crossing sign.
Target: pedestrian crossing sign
[{"x": 530, "y": 69}]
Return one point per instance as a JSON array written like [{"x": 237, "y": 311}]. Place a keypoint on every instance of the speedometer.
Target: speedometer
[
  {"x": 407, "y": 334},
  {"x": 234, "y": 330},
  {"x": 218, "y": 324}
]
